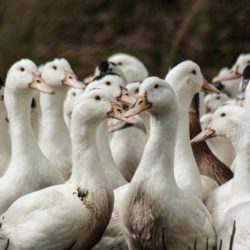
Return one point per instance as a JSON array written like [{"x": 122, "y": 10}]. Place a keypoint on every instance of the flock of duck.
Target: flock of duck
[{"x": 122, "y": 160}]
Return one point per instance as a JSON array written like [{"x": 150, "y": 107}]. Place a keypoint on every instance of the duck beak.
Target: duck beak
[
  {"x": 87, "y": 80},
  {"x": 206, "y": 87},
  {"x": 231, "y": 75},
  {"x": 117, "y": 112},
  {"x": 205, "y": 134},
  {"x": 118, "y": 126},
  {"x": 139, "y": 106},
  {"x": 126, "y": 97},
  {"x": 71, "y": 81},
  {"x": 40, "y": 85}
]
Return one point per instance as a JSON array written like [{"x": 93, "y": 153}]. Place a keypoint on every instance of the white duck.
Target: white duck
[
  {"x": 234, "y": 73},
  {"x": 214, "y": 101},
  {"x": 54, "y": 136},
  {"x": 232, "y": 122},
  {"x": 132, "y": 67},
  {"x": 186, "y": 79},
  {"x": 73, "y": 215},
  {"x": 156, "y": 213},
  {"x": 28, "y": 169},
  {"x": 221, "y": 147},
  {"x": 126, "y": 150},
  {"x": 4, "y": 134},
  {"x": 112, "y": 172}
]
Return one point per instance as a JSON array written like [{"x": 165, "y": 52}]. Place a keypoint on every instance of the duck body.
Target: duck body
[
  {"x": 73, "y": 215},
  {"x": 59, "y": 210},
  {"x": 156, "y": 213}
]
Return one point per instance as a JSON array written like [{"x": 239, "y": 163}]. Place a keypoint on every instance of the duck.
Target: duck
[
  {"x": 69, "y": 103},
  {"x": 232, "y": 122},
  {"x": 112, "y": 172},
  {"x": 221, "y": 147},
  {"x": 132, "y": 67},
  {"x": 154, "y": 209},
  {"x": 75, "y": 214},
  {"x": 186, "y": 80},
  {"x": 213, "y": 101},
  {"x": 126, "y": 150},
  {"x": 28, "y": 170},
  {"x": 229, "y": 87},
  {"x": 5, "y": 150},
  {"x": 235, "y": 73},
  {"x": 207, "y": 162},
  {"x": 54, "y": 137}
]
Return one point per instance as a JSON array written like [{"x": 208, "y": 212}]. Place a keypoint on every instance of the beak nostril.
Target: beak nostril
[
  {"x": 38, "y": 81},
  {"x": 140, "y": 102},
  {"x": 119, "y": 110}
]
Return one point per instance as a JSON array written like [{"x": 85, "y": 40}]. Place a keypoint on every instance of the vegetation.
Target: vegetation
[{"x": 159, "y": 32}]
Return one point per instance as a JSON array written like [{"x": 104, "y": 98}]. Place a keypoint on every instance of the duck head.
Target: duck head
[
  {"x": 95, "y": 106},
  {"x": 134, "y": 88},
  {"x": 213, "y": 101},
  {"x": 58, "y": 73},
  {"x": 113, "y": 83},
  {"x": 186, "y": 79},
  {"x": 225, "y": 122},
  {"x": 155, "y": 95},
  {"x": 132, "y": 67},
  {"x": 236, "y": 71},
  {"x": 24, "y": 75}
]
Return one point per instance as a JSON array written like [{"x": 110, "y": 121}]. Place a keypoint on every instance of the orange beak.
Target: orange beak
[
  {"x": 118, "y": 112},
  {"x": 206, "y": 87},
  {"x": 231, "y": 75},
  {"x": 40, "y": 85},
  {"x": 140, "y": 105},
  {"x": 71, "y": 81},
  {"x": 205, "y": 134}
]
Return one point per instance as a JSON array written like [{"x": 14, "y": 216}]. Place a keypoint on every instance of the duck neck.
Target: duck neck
[
  {"x": 23, "y": 142},
  {"x": 242, "y": 172},
  {"x": 112, "y": 173},
  {"x": 185, "y": 164},
  {"x": 157, "y": 159},
  {"x": 86, "y": 170},
  {"x": 53, "y": 127}
]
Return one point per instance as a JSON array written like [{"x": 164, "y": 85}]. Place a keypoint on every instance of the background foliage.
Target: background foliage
[{"x": 159, "y": 32}]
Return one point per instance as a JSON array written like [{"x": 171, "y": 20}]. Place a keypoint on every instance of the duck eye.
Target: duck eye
[
  {"x": 54, "y": 67},
  {"x": 97, "y": 97},
  {"x": 217, "y": 97},
  {"x": 137, "y": 90},
  {"x": 74, "y": 94},
  {"x": 70, "y": 77},
  {"x": 194, "y": 72},
  {"x": 119, "y": 63},
  {"x": 222, "y": 114},
  {"x": 22, "y": 69},
  {"x": 108, "y": 83},
  {"x": 156, "y": 86}
]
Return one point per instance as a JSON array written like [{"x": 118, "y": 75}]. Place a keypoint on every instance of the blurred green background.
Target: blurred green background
[{"x": 159, "y": 32}]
